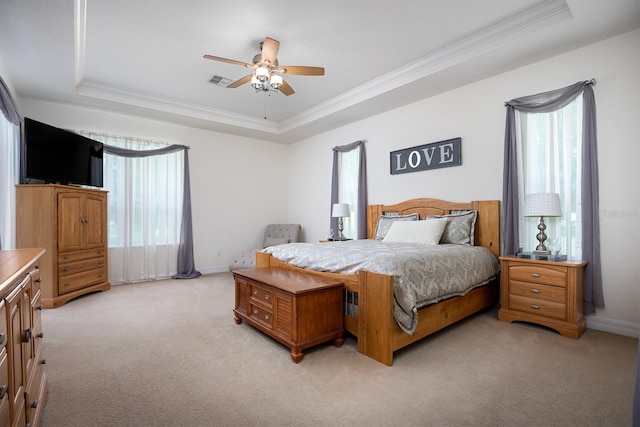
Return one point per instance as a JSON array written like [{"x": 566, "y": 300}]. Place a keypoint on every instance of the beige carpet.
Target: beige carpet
[{"x": 168, "y": 353}]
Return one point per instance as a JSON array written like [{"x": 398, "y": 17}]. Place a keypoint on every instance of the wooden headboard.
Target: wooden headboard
[{"x": 487, "y": 229}]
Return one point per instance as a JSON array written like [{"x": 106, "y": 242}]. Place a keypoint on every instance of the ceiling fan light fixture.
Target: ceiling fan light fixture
[
  {"x": 276, "y": 81},
  {"x": 262, "y": 73},
  {"x": 255, "y": 83}
]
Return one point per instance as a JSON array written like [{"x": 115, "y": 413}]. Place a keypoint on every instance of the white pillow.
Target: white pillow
[{"x": 426, "y": 232}]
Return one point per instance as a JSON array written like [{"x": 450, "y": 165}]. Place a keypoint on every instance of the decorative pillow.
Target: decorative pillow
[
  {"x": 460, "y": 228},
  {"x": 384, "y": 222},
  {"x": 426, "y": 232},
  {"x": 272, "y": 241}
]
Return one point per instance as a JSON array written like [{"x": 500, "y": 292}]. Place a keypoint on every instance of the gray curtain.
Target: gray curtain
[
  {"x": 543, "y": 103},
  {"x": 361, "y": 209},
  {"x": 9, "y": 110},
  {"x": 186, "y": 265},
  {"x": 8, "y": 105}
]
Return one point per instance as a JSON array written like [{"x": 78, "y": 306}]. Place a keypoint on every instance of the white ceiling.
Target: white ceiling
[{"x": 144, "y": 57}]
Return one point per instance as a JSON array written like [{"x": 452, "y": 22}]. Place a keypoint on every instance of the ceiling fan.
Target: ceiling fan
[{"x": 267, "y": 72}]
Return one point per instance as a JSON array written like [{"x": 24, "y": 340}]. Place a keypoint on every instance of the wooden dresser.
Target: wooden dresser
[
  {"x": 547, "y": 293},
  {"x": 23, "y": 381},
  {"x": 298, "y": 310},
  {"x": 71, "y": 224}
]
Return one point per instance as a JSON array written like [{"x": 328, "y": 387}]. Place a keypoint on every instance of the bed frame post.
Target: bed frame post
[{"x": 375, "y": 313}]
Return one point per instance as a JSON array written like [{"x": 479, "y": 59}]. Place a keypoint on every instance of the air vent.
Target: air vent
[{"x": 220, "y": 81}]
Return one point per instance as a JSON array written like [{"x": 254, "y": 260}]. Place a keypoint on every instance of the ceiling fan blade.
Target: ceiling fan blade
[
  {"x": 229, "y": 61},
  {"x": 240, "y": 82},
  {"x": 286, "y": 89},
  {"x": 270, "y": 50},
  {"x": 301, "y": 70}
]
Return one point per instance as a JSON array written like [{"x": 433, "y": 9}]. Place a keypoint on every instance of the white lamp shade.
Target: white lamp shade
[
  {"x": 340, "y": 210},
  {"x": 542, "y": 204},
  {"x": 276, "y": 81},
  {"x": 262, "y": 73}
]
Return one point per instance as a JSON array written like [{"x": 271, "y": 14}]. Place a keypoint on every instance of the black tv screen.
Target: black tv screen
[{"x": 59, "y": 156}]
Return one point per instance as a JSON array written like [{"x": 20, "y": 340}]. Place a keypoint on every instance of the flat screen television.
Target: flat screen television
[{"x": 55, "y": 155}]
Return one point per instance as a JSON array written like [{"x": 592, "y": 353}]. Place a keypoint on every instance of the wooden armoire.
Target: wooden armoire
[{"x": 71, "y": 224}]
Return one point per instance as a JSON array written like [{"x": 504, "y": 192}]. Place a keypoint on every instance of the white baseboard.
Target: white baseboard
[
  {"x": 214, "y": 269},
  {"x": 614, "y": 326}
]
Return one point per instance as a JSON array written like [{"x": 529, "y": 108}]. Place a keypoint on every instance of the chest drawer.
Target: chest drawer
[
  {"x": 554, "y": 276},
  {"x": 261, "y": 295},
  {"x": 261, "y": 315},
  {"x": 537, "y": 306},
  {"x": 537, "y": 291}
]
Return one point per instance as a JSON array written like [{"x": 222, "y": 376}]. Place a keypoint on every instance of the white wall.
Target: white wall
[
  {"x": 476, "y": 113},
  {"x": 238, "y": 185}
]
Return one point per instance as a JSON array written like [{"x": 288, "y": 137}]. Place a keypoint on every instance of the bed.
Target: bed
[{"x": 369, "y": 296}]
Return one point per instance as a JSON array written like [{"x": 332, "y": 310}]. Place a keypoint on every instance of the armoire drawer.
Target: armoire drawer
[
  {"x": 81, "y": 280},
  {"x": 78, "y": 266},
  {"x": 65, "y": 257}
]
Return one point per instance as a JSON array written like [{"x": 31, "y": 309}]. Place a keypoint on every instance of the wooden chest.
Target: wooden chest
[{"x": 298, "y": 310}]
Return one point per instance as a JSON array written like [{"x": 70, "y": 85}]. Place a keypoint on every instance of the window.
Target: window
[
  {"x": 145, "y": 210},
  {"x": 550, "y": 157},
  {"x": 348, "y": 171},
  {"x": 349, "y": 185}
]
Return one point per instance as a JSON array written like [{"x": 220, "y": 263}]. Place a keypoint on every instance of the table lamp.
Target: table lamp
[
  {"x": 340, "y": 210},
  {"x": 542, "y": 204}
]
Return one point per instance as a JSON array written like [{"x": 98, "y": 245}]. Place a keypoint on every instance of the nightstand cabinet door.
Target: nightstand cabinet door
[{"x": 543, "y": 292}]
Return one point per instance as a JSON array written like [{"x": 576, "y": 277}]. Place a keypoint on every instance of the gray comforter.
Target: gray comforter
[{"x": 422, "y": 274}]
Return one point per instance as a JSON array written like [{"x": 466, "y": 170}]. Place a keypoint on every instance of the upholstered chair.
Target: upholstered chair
[{"x": 274, "y": 234}]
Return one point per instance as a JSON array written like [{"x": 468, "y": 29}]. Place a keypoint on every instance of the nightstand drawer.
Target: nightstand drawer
[
  {"x": 538, "y": 274},
  {"x": 537, "y": 306},
  {"x": 537, "y": 291}
]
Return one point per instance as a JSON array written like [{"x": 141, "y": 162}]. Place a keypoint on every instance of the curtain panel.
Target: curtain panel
[
  {"x": 9, "y": 175},
  {"x": 542, "y": 103},
  {"x": 361, "y": 208},
  {"x": 8, "y": 104}
]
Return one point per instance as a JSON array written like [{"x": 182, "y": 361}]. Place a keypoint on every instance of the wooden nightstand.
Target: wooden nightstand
[{"x": 544, "y": 292}]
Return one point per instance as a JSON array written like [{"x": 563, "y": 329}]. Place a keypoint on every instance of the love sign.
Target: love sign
[{"x": 437, "y": 155}]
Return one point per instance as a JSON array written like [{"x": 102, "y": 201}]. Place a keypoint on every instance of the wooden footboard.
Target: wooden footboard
[{"x": 377, "y": 332}]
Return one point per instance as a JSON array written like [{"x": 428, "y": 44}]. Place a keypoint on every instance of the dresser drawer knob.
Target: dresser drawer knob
[
  {"x": 44, "y": 361},
  {"x": 34, "y": 404},
  {"x": 255, "y": 292},
  {"x": 68, "y": 284},
  {"x": 3, "y": 391},
  {"x": 66, "y": 257},
  {"x": 255, "y": 311},
  {"x": 535, "y": 306},
  {"x": 266, "y": 317},
  {"x": 2, "y": 338},
  {"x": 535, "y": 291},
  {"x": 40, "y": 335},
  {"x": 39, "y": 307},
  {"x": 535, "y": 274},
  {"x": 27, "y": 336},
  {"x": 266, "y": 297},
  {"x": 39, "y": 280},
  {"x": 67, "y": 268}
]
